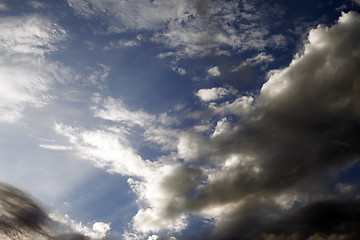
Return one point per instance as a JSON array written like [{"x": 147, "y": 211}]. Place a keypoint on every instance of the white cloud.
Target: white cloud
[
  {"x": 179, "y": 70},
  {"x": 212, "y": 94},
  {"x": 98, "y": 77},
  {"x": 55, "y": 147},
  {"x": 97, "y": 231},
  {"x": 214, "y": 71},
  {"x": 156, "y": 237},
  {"x": 190, "y": 28},
  {"x": 241, "y": 106},
  {"x": 222, "y": 127},
  {"x": 165, "y": 55},
  {"x": 122, "y": 44},
  {"x": 258, "y": 59},
  {"x": 26, "y": 76},
  {"x": 107, "y": 150},
  {"x": 167, "y": 139},
  {"x": 29, "y": 35},
  {"x": 115, "y": 110},
  {"x": 37, "y": 4}
]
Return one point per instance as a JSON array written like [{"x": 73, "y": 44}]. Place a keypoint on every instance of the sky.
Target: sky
[{"x": 180, "y": 119}]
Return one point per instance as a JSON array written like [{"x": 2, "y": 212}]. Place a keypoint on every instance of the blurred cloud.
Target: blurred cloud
[{"x": 22, "y": 218}]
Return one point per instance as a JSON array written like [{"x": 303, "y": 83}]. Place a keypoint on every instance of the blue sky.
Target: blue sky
[{"x": 184, "y": 119}]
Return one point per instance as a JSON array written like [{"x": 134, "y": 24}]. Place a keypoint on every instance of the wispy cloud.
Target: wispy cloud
[
  {"x": 261, "y": 58},
  {"x": 54, "y": 147},
  {"x": 115, "y": 110},
  {"x": 25, "y": 74},
  {"x": 192, "y": 28}
]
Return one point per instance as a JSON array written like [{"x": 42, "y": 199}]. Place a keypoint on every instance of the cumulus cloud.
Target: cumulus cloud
[
  {"x": 302, "y": 126},
  {"x": 212, "y": 94},
  {"x": 214, "y": 71}
]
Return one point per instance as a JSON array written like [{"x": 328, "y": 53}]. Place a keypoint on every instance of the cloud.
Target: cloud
[
  {"x": 166, "y": 138},
  {"x": 156, "y": 237},
  {"x": 29, "y": 35},
  {"x": 22, "y": 218},
  {"x": 123, "y": 44},
  {"x": 192, "y": 28},
  {"x": 54, "y": 147},
  {"x": 27, "y": 76},
  {"x": 212, "y": 94},
  {"x": 106, "y": 149},
  {"x": 214, "y": 71},
  {"x": 97, "y": 231},
  {"x": 301, "y": 128},
  {"x": 258, "y": 59},
  {"x": 98, "y": 77},
  {"x": 114, "y": 110}
]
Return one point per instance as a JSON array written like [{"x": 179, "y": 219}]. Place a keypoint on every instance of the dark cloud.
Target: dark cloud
[
  {"x": 19, "y": 215},
  {"x": 23, "y": 218},
  {"x": 339, "y": 216}
]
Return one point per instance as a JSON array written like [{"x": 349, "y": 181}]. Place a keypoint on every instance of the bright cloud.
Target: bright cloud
[
  {"x": 114, "y": 110},
  {"x": 212, "y": 94},
  {"x": 27, "y": 77},
  {"x": 106, "y": 149},
  {"x": 97, "y": 231},
  {"x": 214, "y": 71}
]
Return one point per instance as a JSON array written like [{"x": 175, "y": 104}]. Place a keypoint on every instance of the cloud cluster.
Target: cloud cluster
[
  {"x": 192, "y": 28},
  {"x": 265, "y": 169}
]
